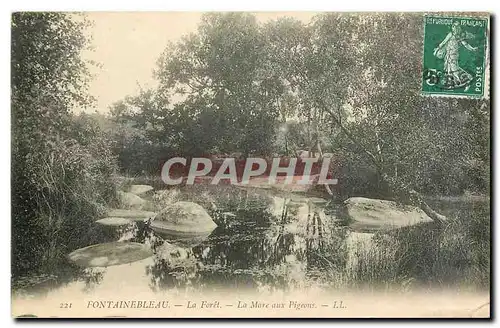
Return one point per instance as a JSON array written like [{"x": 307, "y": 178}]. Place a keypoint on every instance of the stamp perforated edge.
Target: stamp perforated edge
[{"x": 487, "y": 50}]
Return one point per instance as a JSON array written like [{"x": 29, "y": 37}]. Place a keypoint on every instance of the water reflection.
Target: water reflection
[
  {"x": 263, "y": 241},
  {"x": 274, "y": 244}
]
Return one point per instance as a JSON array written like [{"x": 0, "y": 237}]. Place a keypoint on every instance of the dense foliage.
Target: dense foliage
[
  {"x": 61, "y": 164},
  {"x": 348, "y": 83}
]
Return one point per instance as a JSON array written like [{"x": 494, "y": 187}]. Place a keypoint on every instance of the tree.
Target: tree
[
  {"x": 376, "y": 79},
  {"x": 227, "y": 102},
  {"x": 354, "y": 79}
]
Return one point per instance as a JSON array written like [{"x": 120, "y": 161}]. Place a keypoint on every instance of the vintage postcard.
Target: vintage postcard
[{"x": 250, "y": 165}]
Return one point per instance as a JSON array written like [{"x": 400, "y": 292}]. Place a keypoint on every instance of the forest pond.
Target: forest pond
[{"x": 264, "y": 240}]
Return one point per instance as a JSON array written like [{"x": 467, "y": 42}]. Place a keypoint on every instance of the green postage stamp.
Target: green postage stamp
[{"x": 455, "y": 56}]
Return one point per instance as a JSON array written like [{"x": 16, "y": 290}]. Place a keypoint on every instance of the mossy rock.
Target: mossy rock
[
  {"x": 186, "y": 218},
  {"x": 371, "y": 215},
  {"x": 109, "y": 254}
]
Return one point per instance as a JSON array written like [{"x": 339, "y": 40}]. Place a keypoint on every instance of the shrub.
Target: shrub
[{"x": 59, "y": 188}]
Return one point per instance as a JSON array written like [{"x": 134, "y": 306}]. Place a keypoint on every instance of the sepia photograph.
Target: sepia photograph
[{"x": 250, "y": 164}]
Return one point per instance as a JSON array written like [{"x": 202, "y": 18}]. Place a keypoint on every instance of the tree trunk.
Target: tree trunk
[
  {"x": 327, "y": 187},
  {"x": 317, "y": 144},
  {"x": 414, "y": 198}
]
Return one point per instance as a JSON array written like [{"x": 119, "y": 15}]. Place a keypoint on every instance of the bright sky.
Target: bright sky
[{"x": 128, "y": 44}]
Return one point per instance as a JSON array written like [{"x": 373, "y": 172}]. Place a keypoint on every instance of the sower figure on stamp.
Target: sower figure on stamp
[{"x": 449, "y": 49}]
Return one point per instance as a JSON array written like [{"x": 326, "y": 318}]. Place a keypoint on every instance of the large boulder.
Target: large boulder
[
  {"x": 370, "y": 215},
  {"x": 183, "y": 218},
  {"x": 108, "y": 254}
]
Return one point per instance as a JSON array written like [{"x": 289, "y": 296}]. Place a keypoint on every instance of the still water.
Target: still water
[{"x": 264, "y": 241}]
